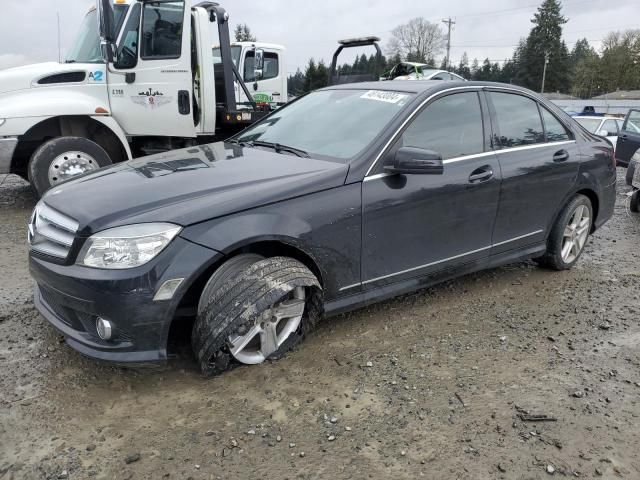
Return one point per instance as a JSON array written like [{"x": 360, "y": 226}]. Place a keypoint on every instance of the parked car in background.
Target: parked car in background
[
  {"x": 607, "y": 127},
  {"x": 350, "y": 195},
  {"x": 418, "y": 71},
  {"x": 629, "y": 138},
  {"x": 633, "y": 180}
]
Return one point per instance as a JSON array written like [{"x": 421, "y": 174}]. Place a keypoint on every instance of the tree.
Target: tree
[
  {"x": 418, "y": 40},
  {"x": 475, "y": 68},
  {"x": 295, "y": 83},
  {"x": 463, "y": 67},
  {"x": 545, "y": 42},
  {"x": 243, "y": 33}
]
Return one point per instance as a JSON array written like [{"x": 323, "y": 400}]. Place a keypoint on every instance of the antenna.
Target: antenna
[{"x": 59, "y": 47}]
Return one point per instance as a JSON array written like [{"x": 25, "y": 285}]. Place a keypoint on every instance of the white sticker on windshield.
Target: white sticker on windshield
[{"x": 383, "y": 96}]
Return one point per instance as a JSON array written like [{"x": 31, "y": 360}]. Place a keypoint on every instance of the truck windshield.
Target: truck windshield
[
  {"x": 337, "y": 124},
  {"x": 86, "y": 47},
  {"x": 235, "y": 55}
]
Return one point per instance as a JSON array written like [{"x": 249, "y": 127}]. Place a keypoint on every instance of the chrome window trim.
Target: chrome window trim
[
  {"x": 431, "y": 264},
  {"x": 483, "y": 154}
]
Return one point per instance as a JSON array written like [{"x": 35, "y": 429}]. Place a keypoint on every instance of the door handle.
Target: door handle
[
  {"x": 481, "y": 174},
  {"x": 561, "y": 156},
  {"x": 184, "y": 102}
]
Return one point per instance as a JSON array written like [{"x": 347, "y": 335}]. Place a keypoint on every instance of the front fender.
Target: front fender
[
  {"x": 25, "y": 108},
  {"x": 325, "y": 227},
  {"x": 229, "y": 234}
]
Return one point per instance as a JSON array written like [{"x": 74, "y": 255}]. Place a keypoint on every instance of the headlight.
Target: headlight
[{"x": 127, "y": 247}]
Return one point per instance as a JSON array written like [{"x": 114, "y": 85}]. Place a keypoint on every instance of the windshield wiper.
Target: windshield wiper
[{"x": 278, "y": 147}]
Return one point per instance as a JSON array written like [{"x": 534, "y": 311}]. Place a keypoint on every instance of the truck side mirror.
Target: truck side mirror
[
  {"x": 107, "y": 21},
  {"x": 107, "y": 30},
  {"x": 258, "y": 65}
]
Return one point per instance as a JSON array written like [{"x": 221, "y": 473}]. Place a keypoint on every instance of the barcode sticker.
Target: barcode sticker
[{"x": 382, "y": 96}]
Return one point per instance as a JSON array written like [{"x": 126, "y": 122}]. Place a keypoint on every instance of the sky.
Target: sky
[{"x": 484, "y": 28}]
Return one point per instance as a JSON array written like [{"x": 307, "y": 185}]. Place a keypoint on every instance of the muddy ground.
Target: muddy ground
[{"x": 429, "y": 385}]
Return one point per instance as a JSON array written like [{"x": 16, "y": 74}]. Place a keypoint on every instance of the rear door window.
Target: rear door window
[
  {"x": 554, "y": 130},
  {"x": 451, "y": 126},
  {"x": 519, "y": 121}
]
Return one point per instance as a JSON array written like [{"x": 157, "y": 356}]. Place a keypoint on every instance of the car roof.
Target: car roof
[{"x": 425, "y": 86}]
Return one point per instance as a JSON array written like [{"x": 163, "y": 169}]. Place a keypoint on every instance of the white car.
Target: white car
[
  {"x": 602, "y": 126},
  {"x": 418, "y": 71}
]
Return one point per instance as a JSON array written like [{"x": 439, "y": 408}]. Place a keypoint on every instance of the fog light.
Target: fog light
[
  {"x": 168, "y": 289},
  {"x": 104, "y": 328}
]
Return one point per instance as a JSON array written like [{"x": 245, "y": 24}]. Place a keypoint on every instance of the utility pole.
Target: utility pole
[
  {"x": 544, "y": 70},
  {"x": 449, "y": 23},
  {"x": 59, "y": 43}
]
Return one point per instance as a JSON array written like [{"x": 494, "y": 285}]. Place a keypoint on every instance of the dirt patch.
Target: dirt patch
[{"x": 431, "y": 384}]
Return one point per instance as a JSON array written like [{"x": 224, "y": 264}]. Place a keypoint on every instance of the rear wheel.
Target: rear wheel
[
  {"x": 569, "y": 235},
  {"x": 634, "y": 202},
  {"x": 63, "y": 158},
  {"x": 254, "y": 309}
]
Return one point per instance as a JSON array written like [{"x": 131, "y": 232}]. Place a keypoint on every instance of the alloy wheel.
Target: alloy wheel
[
  {"x": 575, "y": 234},
  {"x": 270, "y": 330}
]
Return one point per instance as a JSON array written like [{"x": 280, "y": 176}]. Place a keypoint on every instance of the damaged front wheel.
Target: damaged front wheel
[{"x": 260, "y": 310}]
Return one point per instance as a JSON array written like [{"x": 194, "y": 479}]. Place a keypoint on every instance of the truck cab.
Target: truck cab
[
  {"x": 271, "y": 87},
  {"x": 141, "y": 78}
]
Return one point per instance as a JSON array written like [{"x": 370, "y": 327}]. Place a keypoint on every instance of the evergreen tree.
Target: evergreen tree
[
  {"x": 463, "y": 67},
  {"x": 475, "y": 68},
  {"x": 545, "y": 41},
  {"x": 243, "y": 33},
  {"x": 310, "y": 75}
]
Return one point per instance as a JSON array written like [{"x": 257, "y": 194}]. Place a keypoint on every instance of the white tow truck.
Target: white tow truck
[{"x": 143, "y": 76}]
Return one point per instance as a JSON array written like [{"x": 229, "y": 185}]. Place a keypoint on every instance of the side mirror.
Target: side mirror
[
  {"x": 258, "y": 66},
  {"x": 412, "y": 160},
  {"x": 106, "y": 21},
  {"x": 603, "y": 133}
]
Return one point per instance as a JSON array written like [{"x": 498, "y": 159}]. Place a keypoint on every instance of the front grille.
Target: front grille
[{"x": 50, "y": 232}]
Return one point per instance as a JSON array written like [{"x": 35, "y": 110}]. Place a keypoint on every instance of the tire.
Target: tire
[
  {"x": 634, "y": 202},
  {"x": 554, "y": 258},
  {"x": 243, "y": 298},
  {"x": 43, "y": 174}
]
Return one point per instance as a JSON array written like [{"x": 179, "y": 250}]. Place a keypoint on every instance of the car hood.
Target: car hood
[
  {"x": 190, "y": 186},
  {"x": 23, "y": 78}
]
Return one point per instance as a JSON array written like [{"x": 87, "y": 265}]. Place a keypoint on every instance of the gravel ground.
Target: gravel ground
[{"x": 432, "y": 385}]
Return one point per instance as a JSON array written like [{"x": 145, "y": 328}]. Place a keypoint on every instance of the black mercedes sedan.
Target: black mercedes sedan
[{"x": 347, "y": 196}]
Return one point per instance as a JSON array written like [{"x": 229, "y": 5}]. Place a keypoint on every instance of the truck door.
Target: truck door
[
  {"x": 628, "y": 139},
  {"x": 271, "y": 88},
  {"x": 153, "y": 95}
]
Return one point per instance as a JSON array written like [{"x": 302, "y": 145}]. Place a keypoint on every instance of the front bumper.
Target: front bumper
[
  {"x": 7, "y": 147},
  {"x": 72, "y": 297}
]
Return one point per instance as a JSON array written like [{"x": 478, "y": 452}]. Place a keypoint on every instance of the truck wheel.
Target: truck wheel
[
  {"x": 258, "y": 311},
  {"x": 569, "y": 235},
  {"x": 634, "y": 202},
  {"x": 63, "y": 158}
]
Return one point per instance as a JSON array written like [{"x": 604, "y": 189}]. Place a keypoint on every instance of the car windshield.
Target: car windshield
[
  {"x": 330, "y": 123},
  {"x": 86, "y": 47},
  {"x": 590, "y": 124}
]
